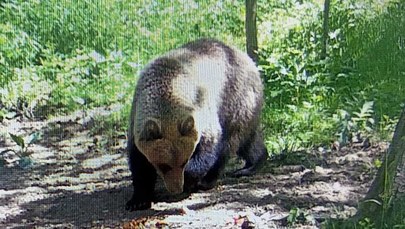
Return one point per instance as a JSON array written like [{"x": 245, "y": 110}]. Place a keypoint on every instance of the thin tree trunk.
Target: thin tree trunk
[
  {"x": 251, "y": 30},
  {"x": 385, "y": 200},
  {"x": 325, "y": 32}
]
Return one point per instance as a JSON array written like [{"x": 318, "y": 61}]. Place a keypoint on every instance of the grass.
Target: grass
[{"x": 58, "y": 55}]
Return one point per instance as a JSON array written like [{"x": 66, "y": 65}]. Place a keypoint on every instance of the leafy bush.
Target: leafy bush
[
  {"x": 17, "y": 49},
  {"x": 64, "y": 84},
  {"x": 310, "y": 100},
  {"x": 27, "y": 91},
  {"x": 23, "y": 154},
  {"x": 73, "y": 54},
  {"x": 355, "y": 123},
  {"x": 88, "y": 78},
  {"x": 296, "y": 79}
]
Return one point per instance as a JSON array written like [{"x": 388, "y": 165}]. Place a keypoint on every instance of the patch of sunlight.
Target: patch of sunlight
[
  {"x": 94, "y": 176},
  {"x": 84, "y": 177},
  {"x": 41, "y": 153},
  {"x": 58, "y": 179},
  {"x": 331, "y": 211},
  {"x": 77, "y": 142},
  {"x": 333, "y": 192},
  {"x": 202, "y": 218},
  {"x": 74, "y": 150},
  {"x": 9, "y": 211},
  {"x": 75, "y": 188},
  {"x": 260, "y": 193},
  {"x": 98, "y": 162},
  {"x": 4, "y": 193},
  {"x": 88, "y": 187},
  {"x": 13, "y": 199}
]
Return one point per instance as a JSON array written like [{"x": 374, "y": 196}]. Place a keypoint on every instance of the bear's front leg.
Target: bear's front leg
[
  {"x": 143, "y": 180},
  {"x": 206, "y": 164}
]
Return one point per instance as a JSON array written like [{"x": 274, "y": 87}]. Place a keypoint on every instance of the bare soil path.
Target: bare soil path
[{"x": 80, "y": 179}]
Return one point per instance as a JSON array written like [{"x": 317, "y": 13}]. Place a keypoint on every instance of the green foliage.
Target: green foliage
[
  {"x": 59, "y": 56},
  {"x": 294, "y": 127},
  {"x": 23, "y": 154},
  {"x": 310, "y": 100},
  {"x": 65, "y": 25},
  {"x": 296, "y": 92},
  {"x": 127, "y": 25},
  {"x": 19, "y": 141},
  {"x": 297, "y": 215},
  {"x": 372, "y": 54},
  {"x": 17, "y": 49},
  {"x": 366, "y": 223},
  {"x": 65, "y": 84},
  {"x": 112, "y": 127},
  {"x": 357, "y": 122},
  {"x": 377, "y": 163},
  {"x": 27, "y": 91},
  {"x": 88, "y": 79}
]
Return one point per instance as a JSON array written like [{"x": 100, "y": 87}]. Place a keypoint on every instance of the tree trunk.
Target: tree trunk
[
  {"x": 251, "y": 30},
  {"x": 385, "y": 201},
  {"x": 325, "y": 30}
]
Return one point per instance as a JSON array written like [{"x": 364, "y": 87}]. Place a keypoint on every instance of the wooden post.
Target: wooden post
[{"x": 251, "y": 30}]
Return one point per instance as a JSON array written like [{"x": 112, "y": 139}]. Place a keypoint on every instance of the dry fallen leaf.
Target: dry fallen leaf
[{"x": 148, "y": 222}]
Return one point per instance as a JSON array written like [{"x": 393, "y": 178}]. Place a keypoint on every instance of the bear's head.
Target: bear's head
[{"x": 168, "y": 146}]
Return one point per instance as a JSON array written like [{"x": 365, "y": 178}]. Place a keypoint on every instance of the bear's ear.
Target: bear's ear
[
  {"x": 186, "y": 126},
  {"x": 151, "y": 131}
]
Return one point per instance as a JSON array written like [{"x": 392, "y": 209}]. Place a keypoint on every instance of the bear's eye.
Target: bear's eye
[
  {"x": 164, "y": 168},
  {"x": 187, "y": 126},
  {"x": 151, "y": 131}
]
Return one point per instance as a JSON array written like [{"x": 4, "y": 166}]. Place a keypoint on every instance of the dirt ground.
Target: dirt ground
[{"x": 80, "y": 179}]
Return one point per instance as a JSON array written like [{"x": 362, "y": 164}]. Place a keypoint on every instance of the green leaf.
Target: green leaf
[
  {"x": 10, "y": 115},
  {"x": 18, "y": 139},
  {"x": 292, "y": 107},
  {"x": 368, "y": 129},
  {"x": 307, "y": 104},
  {"x": 78, "y": 100},
  {"x": 293, "y": 215},
  {"x": 33, "y": 138},
  {"x": 283, "y": 71},
  {"x": 377, "y": 163},
  {"x": 374, "y": 201},
  {"x": 275, "y": 93},
  {"x": 367, "y": 107}
]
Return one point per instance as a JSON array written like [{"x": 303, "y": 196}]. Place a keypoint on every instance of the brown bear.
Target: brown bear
[{"x": 192, "y": 108}]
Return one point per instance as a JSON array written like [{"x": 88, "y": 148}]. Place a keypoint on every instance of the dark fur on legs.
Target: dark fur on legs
[
  {"x": 254, "y": 153},
  {"x": 143, "y": 179}
]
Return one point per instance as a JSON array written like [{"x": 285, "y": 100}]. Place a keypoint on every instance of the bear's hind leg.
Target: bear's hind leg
[{"x": 254, "y": 153}]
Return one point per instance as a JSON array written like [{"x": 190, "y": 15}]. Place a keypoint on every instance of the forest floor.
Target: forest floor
[{"x": 80, "y": 179}]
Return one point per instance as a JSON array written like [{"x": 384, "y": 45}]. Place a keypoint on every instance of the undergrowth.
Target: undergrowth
[
  {"x": 56, "y": 56},
  {"x": 312, "y": 101}
]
